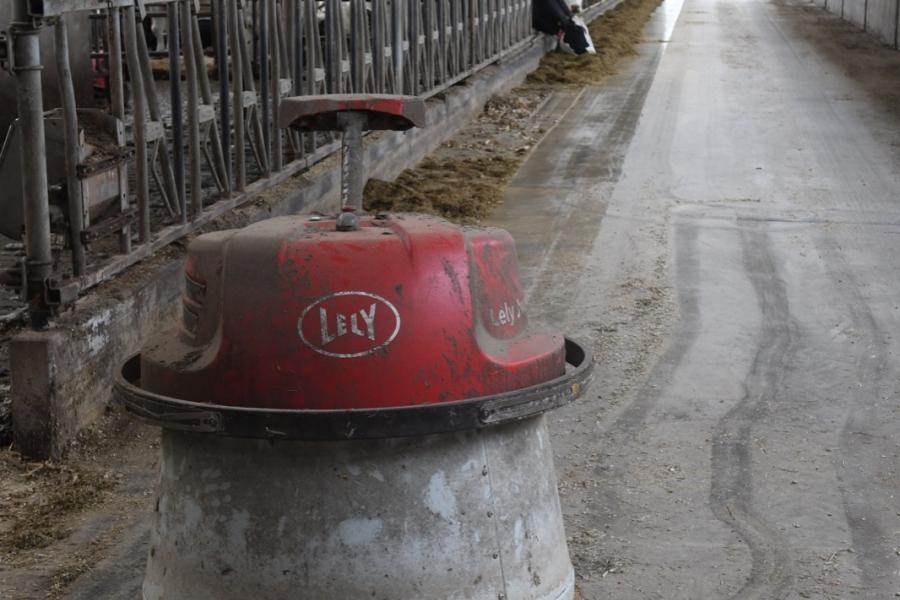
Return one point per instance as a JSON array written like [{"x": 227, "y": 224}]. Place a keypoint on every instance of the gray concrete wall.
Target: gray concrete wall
[
  {"x": 880, "y": 18},
  {"x": 855, "y": 12},
  {"x": 80, "y": 46},
  {"x": 61, "y": 379}
]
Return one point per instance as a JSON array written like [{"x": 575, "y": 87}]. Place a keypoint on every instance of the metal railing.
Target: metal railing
[{"x": 202, "y": 140}]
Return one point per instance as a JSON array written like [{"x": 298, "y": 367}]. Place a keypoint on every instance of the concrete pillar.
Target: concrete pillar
[{"x": 34, "y": 391}]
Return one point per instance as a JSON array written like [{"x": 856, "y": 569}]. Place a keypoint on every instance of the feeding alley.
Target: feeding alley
[{"x": 433, "y": 299}]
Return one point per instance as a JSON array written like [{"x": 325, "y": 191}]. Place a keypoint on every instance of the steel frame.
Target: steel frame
[{"x": 304, "y": 47}]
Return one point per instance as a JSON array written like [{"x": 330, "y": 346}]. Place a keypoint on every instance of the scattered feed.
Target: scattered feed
[{"x": 37, "y": 498}]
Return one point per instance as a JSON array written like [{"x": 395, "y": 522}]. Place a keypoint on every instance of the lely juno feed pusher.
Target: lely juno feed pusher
[{"x": 353, "y": 406}]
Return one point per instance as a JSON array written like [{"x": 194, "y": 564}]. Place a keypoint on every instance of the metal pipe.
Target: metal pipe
[
  {"x": 116, "y": 77},
  {"x": 187, "y": 44},
  {"x": 312, "y": 59},
  {"x": 353, "y": 176},
  {"x": 358, "y": 46},
  {"x": 296, "y": 38},
  {"x": 414, "y": 48},
  {"x": 177, "y": 106},
  {"x": 333, "y": 58},
  {"x": 278, "y": 149},
  {"x": 313, "y": 51},
  {"x": 26, "y": 68},
  {"x": 250, "y": 86},
  {"x": 378, "y": 42},
  {"x": 70, "y": 121},
  {"x": 117, "y": 106},
  {"x": 206, "y": 97},
  {"x": 264, "y": 78},
  {"x": 284, "y": 56},
  {"x": 397, "y": 12},
  {"x": 170, "y": 191},
  {"x": 139, "y": 128},
  {"x": 237, "y": 86},
  {"x": 224, "y": 99},
  {"x": 296, "y": 43}
]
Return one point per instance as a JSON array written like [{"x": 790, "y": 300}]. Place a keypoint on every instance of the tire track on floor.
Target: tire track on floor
[
  {"x": 731, "y": 490},
  {"x": 687, "y": 276},
  {"x": 863, "y": 445}
]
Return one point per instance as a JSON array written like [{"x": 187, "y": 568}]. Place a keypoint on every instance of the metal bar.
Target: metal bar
[
  {"x": 26, "y": 68},
  {"x": 224, "y": 100},
  {"x": 413, "y": 86},
  {"x": 429, "y": 50},
  {"x": 254, "y": 18},
  {"x": 397, "y": 12},
  {"x": 265, "y": 100},
  {"x": 56, "y": 8},
  {"x": 116, "y": 76},
  {"x": 70, "y": 118},
  {"x": 139, "y": 127},
  {"x": 237, "y": 87},
  {"x": 277, "y": 142},
  {"x": 170, "y": 188},
  {"x": 217, "y": 164},
  {"x": 333, "y": 56},
  {"x": 117, "y": 99},
  {"x": 177, "y": 108},
  {"x": 250, "y": 86},
  {"x": 378, "y": 46},
  {"x": 297, "y": 62},
  {"x": 353, "y": 176},
  {"x": 187, "y": 44},
  {"x": 443, "y": 55},
  {"x": 282, "y": 45},
  {"x": 358, "y": 46},
  {"x": 313, "y": 58},
  {"x": 311, "y": 41},
  {"x": 296, "y": 39}
]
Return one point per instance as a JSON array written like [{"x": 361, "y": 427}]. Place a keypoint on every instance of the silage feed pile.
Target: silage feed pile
[
  {"x": 467, "y": 175},
  {"x": 458, "y": 189}
]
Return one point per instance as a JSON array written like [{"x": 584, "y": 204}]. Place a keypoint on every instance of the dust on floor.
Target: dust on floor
[{"x": 58, "y": 520}]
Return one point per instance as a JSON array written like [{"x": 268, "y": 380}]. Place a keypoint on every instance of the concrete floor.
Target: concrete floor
[
  {"x": 721, "y": 220},
  {"x": 718, "y": 221}
]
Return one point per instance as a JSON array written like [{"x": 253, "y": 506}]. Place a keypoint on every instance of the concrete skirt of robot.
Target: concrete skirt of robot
[{"x": 465, "y": 516}]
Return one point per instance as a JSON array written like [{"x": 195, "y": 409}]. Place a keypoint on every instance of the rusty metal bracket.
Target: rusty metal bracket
[
  {"x": 58, "y": 293},
  {"x": 108, "y": 226},
  {"x": 6, "y": 51}
]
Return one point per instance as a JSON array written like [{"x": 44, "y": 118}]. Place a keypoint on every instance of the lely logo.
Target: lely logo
[{"x": 349, "y": 324}]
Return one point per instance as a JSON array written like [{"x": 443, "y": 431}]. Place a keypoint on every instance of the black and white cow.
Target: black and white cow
[{"x": 555, "y": 17}]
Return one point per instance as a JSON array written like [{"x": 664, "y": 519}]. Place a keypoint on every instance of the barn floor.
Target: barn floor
[{"x": 719, "y": 221}]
